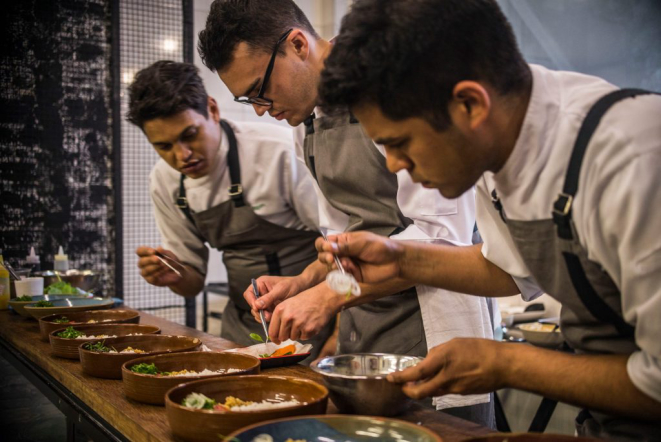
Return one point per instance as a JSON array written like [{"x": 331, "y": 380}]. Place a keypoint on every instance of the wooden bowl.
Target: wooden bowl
[
  {"x": 70, "y": 305},
  {"x": 529, "y": 437},
  {"x": 195, "y": 425},
  {"x": 19, "y": 306},
  {"x": 68, "y": 348},
  {"x": 109, "y": 365},
  {"x": 151, "y": 389},
  {"x": 46, "y": 324}
]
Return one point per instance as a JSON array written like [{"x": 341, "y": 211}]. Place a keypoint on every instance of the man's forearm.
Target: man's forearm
[
  {"x": 191, "y": 284},
  {"x": 458, "y": 269},
  {"x": 597, "y": 382},
  {"x": 312, "y": 275}
]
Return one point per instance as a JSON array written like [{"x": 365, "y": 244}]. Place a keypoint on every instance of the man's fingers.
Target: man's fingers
[
  {"x": 418, "y": 372},
  {"x": 144, "y": 251},
  {"x": 432, "y": 387}
]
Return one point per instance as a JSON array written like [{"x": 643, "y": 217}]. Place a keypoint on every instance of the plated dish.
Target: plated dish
[
  {"x": 54, "y": 322},
  {"x": 147, "y": 379},
  {"x": 64, "y": 342},
  {"x": 273, "y": 355},
  {"x": 67, "y": 305},
  {"x": 333, "y": 428}
]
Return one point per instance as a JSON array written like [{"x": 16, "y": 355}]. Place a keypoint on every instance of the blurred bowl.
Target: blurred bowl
[
  {"x": 86, "y": 280},
  {"x": 109, "y": 365},
  {"x": 529, "y": 437},
  {"x": 68, "y": 348},
  {"x": 69, "y": 305},
  {"x": 358, "y": 384},
  {"x": 190, "y": 424},
  {"x": 336, "y": 427},
  {"x": 542, "y": 335},
  {"x": 19, "y": 306},
  {"x": 47, "y": 324},
  {"x": 151, "y": 389}
]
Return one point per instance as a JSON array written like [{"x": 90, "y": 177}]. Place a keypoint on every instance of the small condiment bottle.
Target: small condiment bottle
[
  {"x": 61, "y": 263},
  {"x": 33, "y": 260},
  {"x": 4, "y": 285}
]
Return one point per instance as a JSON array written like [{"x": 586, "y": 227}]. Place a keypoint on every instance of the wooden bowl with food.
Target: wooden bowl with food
[
  {"x": 18, "y": 304},
  {"x": 104, "y": 358},
  {"x": 49, "y": 323},
  {"x": 64, "y": 342},
  {"x": 147, "y": 379},
  {"x": 201, "y": 410}
]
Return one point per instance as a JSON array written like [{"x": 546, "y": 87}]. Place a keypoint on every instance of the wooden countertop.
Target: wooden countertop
[{"x": 140, "y": 422}]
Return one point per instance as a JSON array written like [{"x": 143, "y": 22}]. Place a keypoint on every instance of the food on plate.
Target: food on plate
[
  {"x": 540, "y": 327},
  {"x": 153, "y": 370},
  {"x": 44, "y": 304},
  {"x": 61, "y": 288},
  {"x": 24, "y": 298},
  {"x": 282, "y": 351},
  {"x": 72, "y": 333},
  {"x": 99, "y": 347},
  {"x": 201, "y": 402},
  {"x": 343, "y": 283},
  {"x": 256, "y": 337},
  {"x": 62, "y": 320},
  {"x": 268, "y": 438}
]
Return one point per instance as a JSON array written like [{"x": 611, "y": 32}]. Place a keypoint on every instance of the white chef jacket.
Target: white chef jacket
[
  {"x": 616, "y": 212},
  {"x": 445, "y": 314},
  {"x": 275, "y": 183}
]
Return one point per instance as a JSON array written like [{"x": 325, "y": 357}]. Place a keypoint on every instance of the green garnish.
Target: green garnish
[
  {"x": 256, "y": 337},
  {"x": 70, "y": 333},
  {"x": 198, "y": 401},
  {"x": 24, "y": 298},
  {"x": 98, "y": 347},
  {"x": 62, "y": 320},
  {"x": 145, "y": 369},
  {"x": 44, "y": 304},
  {"x": 61, "y": 288}
]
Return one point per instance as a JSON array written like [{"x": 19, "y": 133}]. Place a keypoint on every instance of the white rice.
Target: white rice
[
  {"x": 96, "y": 337},
  {"x": 265, "y": 405},
  {"x": 207, "y": 372}
]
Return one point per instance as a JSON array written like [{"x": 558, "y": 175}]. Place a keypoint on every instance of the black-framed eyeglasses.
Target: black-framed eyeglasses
[{"x": 260, "y": 100}]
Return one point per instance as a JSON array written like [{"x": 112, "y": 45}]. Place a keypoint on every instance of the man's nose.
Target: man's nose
[
  {"x": 260, "y": 110},
  {"x": 396, "y": 163},
  {"x": 183, "y": 152}
]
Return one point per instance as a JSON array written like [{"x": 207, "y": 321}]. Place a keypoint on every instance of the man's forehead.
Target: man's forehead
[{"x": 248, "y": 64}]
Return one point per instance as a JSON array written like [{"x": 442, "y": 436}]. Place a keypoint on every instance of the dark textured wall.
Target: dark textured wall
[{"x": 55, "y": 132}]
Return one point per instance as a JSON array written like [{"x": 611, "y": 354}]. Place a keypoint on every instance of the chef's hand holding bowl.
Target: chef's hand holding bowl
[
  {"x": 153, "y": 270},
  {"x": 370, "y": 258},
  {"x": 459, "y": 366}
]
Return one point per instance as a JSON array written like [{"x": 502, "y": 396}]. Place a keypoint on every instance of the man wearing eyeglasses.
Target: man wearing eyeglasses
[
  {"x": 272, "y": 60},
  {"x": 236, "y": 186}
]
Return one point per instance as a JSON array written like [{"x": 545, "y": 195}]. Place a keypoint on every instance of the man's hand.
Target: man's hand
[
  {"x": 368, "y": 257},
  {"x": 460, "y": 366},
  {"x": 272, "y": 291},
  {"x": 153, "y": 270},
  {"x": 303, "y": 316}
]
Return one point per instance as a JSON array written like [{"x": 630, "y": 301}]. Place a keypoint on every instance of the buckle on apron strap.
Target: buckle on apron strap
[
  {"x": 182, "y": 202},
  {"x": 235, "y": 189},
  {"x": 562, "y": 205}
]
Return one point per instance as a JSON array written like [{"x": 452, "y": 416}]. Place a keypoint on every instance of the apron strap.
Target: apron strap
[
  {"x": 235, "y": 190},
  {"x": 182, "y": 202},
  {"x": 562, "y": 208},
  {"x": 563, "y": 204}
]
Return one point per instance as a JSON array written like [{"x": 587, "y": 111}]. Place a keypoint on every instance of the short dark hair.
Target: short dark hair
[
  {"x": 259, "y": 23},
  {"x": 406, "y": 56},
  {"x": 164, "y": 89}
]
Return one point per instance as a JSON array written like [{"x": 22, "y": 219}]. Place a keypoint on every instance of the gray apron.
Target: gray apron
[
  {"x": 591, "y": 316},
  {"x": 353, "y": 177},
  {"x": 251, "y": 247}
]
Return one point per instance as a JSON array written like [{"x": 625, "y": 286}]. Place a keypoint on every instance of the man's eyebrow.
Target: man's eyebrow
[
  {"x": 250, "y": 89},
  {"x": 389, "y": 140},
  {"x": 186, "y": 129}
]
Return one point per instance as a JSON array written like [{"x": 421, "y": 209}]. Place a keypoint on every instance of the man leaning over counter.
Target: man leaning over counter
[
  {"x": 272, "y": 60},
  {"x": 236, "y": 186},
  {"x": 568, "y": 170}
]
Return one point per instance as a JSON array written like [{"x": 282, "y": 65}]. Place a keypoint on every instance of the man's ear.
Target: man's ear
[
  {"x": 300, "y": 44},
  {"x": 470, "y": 105},
  {"x": 213, "y": 110}
]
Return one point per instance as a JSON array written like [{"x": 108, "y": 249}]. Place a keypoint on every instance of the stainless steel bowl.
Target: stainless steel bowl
[
  {"x": 86, "y": 280},
  {"x": 357, "y": 382}
]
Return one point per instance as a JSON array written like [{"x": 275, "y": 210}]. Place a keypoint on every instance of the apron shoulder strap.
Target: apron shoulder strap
[
  {"x": 235, "y": 190},
  {"x": 562, "y": 208},
  {"x": 563, "y": 204},
  {"x": 182, "y": 202}
]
